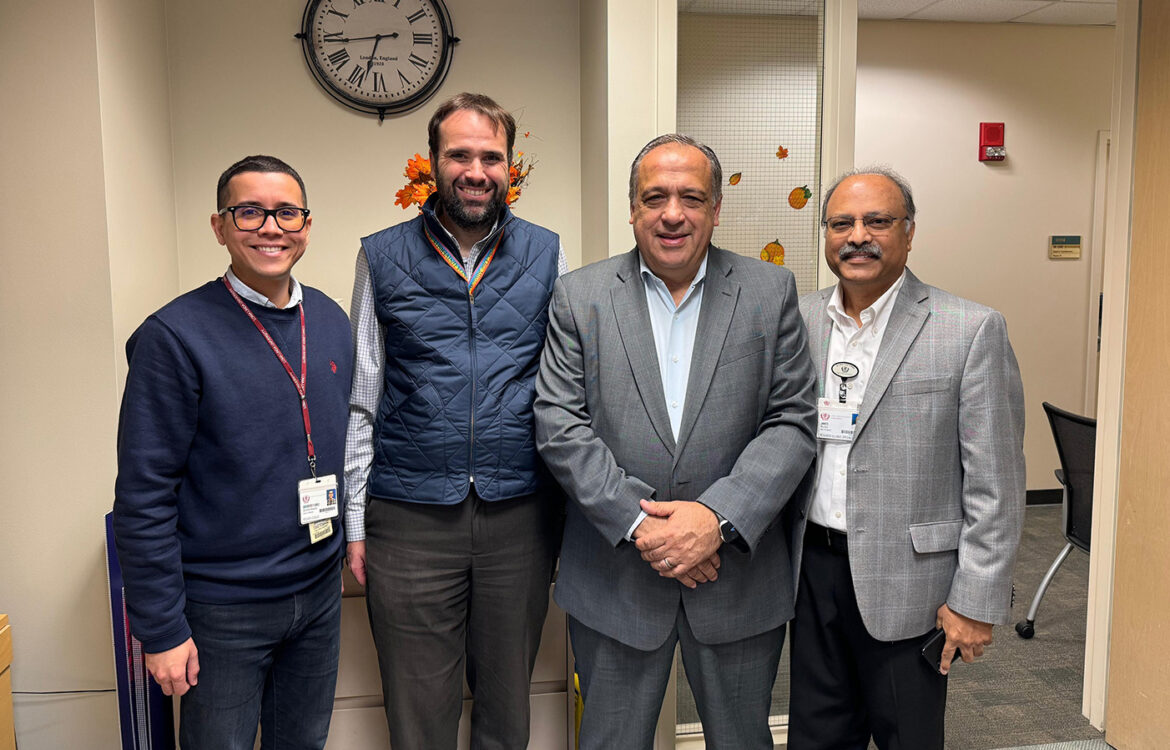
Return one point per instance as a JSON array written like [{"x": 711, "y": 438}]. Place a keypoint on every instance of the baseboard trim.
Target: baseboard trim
[
  {"x": 1044, "y": 497},
  {"x": 690, "y": 739}
]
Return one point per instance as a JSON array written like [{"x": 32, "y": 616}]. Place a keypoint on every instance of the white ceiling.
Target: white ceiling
[
  {"x": 1067, "y": 12},
  {"x": 1063, "y": 12}
]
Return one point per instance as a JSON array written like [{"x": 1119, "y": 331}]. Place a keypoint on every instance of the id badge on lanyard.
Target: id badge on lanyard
[
  {"x": 317, "y": 496},
  {"x": 837, "y": 419}
]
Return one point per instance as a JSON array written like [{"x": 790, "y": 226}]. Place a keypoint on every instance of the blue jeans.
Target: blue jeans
[{"x": 267, "y": 663}]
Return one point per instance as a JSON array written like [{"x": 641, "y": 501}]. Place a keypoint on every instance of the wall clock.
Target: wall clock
[{"x": 378, "y": 56}]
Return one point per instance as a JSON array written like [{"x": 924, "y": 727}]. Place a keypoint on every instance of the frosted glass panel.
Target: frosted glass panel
[{"x": 749, "y": 86}]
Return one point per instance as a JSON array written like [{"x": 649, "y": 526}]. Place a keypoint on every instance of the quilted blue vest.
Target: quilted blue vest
[{"x": 460, "y": 367}]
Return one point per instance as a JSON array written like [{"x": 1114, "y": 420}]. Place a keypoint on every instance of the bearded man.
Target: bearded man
[{"x": 452, "y": 519}]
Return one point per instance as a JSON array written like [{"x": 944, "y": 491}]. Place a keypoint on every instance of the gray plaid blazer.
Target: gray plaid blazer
[
  {"x": 935, "y": 495},
  {"x": 744, "y": 448}
]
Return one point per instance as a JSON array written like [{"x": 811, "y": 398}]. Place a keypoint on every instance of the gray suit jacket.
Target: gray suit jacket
[
  {"x": 745, "y": 444},
  {"x": 935, "y": 494}
]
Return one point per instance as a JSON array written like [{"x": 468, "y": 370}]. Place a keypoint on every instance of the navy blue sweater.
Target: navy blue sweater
[{"x": 211, "y": 446}]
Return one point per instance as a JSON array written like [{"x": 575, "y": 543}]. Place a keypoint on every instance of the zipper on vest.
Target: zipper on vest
[{"x": 471, "y": 348}]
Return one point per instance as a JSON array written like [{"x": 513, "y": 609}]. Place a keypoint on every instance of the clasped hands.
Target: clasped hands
[{"x": 680, "y": 540}]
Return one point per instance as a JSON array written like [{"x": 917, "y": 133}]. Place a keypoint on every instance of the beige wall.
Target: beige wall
[
  {"x": 922, "y": 90},
  {"x": 525, "y": 55},
  {"x": 58, "y": 393},
  {"x": 641, "y": 86},
  {"x": 594, "y": 130},
  {"x": 628, "y": 97},
  {"x": 136, "y": 150},
  {"x": 119, "y": 116}
]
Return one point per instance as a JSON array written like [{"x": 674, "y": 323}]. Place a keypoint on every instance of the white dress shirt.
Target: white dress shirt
[
  {"x": 368, "y": 367},
  {"x": 848, "y": 342}
]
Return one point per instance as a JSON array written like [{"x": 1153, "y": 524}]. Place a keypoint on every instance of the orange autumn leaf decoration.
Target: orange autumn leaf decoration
[
  {"x": 421, "y": 180},
  {"x": 404, "y": 197},
  {"x": 781, "y": 152},
  {"x": 418, "y": 168},
  {"x": 735, "y": 178}
]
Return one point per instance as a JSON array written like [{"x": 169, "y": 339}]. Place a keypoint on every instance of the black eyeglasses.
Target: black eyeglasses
[
  {"x": 251, "y": 218},
  {"x": 879, "y": 224}
]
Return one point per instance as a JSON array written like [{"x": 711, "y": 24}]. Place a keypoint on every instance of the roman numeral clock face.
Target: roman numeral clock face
[{"x": 378, "y": 56}]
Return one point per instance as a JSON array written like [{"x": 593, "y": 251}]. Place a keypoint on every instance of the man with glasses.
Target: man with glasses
[
  {"x": 226, "y": 513},
  {"x": 916, "y": 514},
  {"x": 452, "y": 519}
]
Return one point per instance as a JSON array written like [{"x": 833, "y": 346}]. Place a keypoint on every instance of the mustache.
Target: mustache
[{"x": 871, "y": 249}]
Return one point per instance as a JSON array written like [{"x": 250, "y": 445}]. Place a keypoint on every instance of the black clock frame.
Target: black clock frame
[{"x": 418, "y": 99}]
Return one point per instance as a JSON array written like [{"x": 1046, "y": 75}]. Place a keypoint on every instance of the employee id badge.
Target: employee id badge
[
  {"x": 318, "y": 499},
  {"x": 835, "y": 420}
]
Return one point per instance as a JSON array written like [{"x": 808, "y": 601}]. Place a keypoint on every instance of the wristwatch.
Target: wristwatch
[{"x": 727, "y": 532}]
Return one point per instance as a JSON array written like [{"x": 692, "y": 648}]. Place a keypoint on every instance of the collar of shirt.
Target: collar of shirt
[
  {"x": 657, "y": 287},
  {"x": 473, "y": 256},
  {"x": 250, "y": 294},
  {"x": 878, "y": 313}
]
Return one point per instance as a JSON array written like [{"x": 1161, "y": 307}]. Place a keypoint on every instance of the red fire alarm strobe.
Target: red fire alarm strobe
[{"x": 991, "y": 146}]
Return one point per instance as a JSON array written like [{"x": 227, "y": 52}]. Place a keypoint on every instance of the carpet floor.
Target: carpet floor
[
  {"x": 1022, "y": 693},
  {"x": 1077, "y": 745}
]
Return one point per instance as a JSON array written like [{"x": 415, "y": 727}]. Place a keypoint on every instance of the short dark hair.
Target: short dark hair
[
  {"x": 479, "y": 103},
  {"x": 257, "y": 163},
  {"x": 875, "y": 169},
  {"x": 685, "y": 140}
]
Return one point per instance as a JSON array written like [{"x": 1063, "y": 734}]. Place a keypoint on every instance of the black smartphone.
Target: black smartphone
[{"x": 932, "y": 649}]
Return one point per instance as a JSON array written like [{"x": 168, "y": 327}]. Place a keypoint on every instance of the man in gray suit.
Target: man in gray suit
[
  {"x": 674, "y": 404},
  {"x": 916, "y": 513}
]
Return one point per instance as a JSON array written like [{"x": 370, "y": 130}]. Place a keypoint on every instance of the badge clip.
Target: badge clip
[{"x": 846, "y": 371}]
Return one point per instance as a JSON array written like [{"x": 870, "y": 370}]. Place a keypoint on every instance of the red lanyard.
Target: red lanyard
[{"x": 298, "y": 384}]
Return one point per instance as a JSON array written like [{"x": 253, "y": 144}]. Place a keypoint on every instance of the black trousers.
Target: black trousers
[
  {"x": 453, "y": 592},
  {"x": 848, "y": 686}
]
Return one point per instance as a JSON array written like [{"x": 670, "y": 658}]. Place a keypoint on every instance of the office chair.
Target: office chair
[{"x": 1076, "y": 439}]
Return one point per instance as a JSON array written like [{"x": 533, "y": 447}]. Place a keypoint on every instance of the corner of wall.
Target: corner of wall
[{"x": 594, "y": 131}]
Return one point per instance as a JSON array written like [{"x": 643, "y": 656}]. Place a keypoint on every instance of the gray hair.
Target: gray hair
[
  {"x": 685, "y": 140},
  {"x": 875, "y": 169}
]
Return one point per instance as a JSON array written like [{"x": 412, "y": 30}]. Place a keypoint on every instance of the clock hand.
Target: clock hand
[
  {"x": 344, "y": 40},
  {"x": 374, "y": 51}
]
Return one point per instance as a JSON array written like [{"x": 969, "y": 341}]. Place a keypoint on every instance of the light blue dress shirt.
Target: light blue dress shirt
[
  {"x": 674, "y": 328},
  {"x": 674, "y": 335}
]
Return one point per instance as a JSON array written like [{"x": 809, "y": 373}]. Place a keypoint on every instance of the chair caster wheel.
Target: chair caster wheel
[{"x": 1025, "y": 629}]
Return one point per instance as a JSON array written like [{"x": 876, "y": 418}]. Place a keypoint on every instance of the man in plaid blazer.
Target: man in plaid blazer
[{"x": 916, "y": 514}]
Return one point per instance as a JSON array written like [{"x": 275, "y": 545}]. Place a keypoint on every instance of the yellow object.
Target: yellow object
[
  {"x": 7, "y": 732},
  {"x": 773, "y": 252},
  {"x": 578, "y": 707},
  {"x": 734, "y": 179},
  {"x": 799, "y": 197}
]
